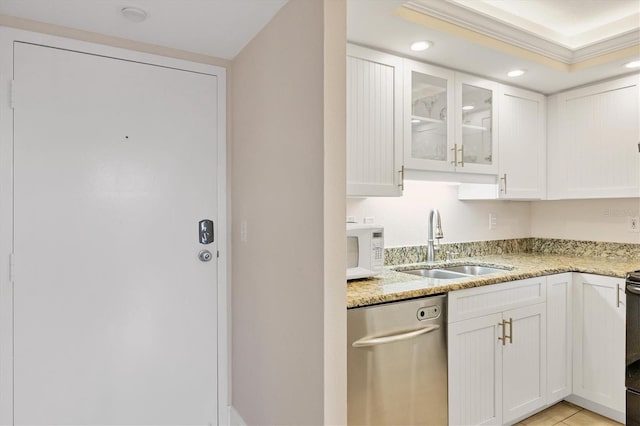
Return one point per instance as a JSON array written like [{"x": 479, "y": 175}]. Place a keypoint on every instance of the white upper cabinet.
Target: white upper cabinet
[
  {"x": 449, "y": 121},
  {"x": 522, "y": 134},
  {"x": 476, "y": 118},
  {"x": 429, "y": 131},
  {"x": 594, "y": 134},
  {"x": 374, "y": 117}
]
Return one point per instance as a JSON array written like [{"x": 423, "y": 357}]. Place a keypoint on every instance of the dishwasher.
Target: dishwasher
[{"x": 397, "y": 363}]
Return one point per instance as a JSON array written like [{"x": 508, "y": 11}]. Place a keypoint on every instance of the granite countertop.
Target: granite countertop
[{"x": 392, "y": 286}]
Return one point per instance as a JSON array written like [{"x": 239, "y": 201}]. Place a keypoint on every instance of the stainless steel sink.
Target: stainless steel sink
[
  {"x": 473, "y": 269},
  {"x": 435, "y": 273},
  {"x": 452, "y": 272}
]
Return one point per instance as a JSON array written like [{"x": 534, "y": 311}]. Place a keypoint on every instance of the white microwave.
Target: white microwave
[{"x": 365, "y": 250}]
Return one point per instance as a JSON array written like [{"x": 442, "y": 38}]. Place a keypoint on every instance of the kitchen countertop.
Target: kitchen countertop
[{"x": 390, "y": 286}]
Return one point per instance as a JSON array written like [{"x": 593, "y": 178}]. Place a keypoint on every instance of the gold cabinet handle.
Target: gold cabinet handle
[
  {"x": 510, "y": 336},
  {"x": 617, "y": 295},
  {"x": 455, "y": 154},
  {"x": 502, "y": 324},
  {"x": 461, "y": 155},
  {"x": 504, "y": 188},
  {"x": 401, "y": 184}
]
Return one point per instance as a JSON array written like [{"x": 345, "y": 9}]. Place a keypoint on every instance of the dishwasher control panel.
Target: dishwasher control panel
[{"x": 428, "y": 313}]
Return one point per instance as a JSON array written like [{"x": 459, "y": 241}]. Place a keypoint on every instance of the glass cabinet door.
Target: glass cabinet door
[
  {"x": 429, "y": 130},
  {"x": 476, "y": 117}
]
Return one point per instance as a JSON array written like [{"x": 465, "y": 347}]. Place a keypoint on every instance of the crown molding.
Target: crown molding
[
  {"x": 499, "y": 30},
  {"x": 622, "y": 41}
]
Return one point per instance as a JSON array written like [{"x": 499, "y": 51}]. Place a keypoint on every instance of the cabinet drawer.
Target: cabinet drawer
[{"x": 476, "y": 302}]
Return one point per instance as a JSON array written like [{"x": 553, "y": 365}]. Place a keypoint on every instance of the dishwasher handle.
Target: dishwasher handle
[{"x": 374, "y": 341}]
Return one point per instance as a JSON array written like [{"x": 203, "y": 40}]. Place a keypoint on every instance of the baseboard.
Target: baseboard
[
  {"x": 597, "y": 408},
  {"x": 234, "y": 418}
]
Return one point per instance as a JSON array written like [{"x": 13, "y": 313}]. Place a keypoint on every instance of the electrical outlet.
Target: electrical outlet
[
  {"x": 493, "y": 221},
  {"x": 368, "y": 220},
  {"x": 633, "y": 223},
  {"x": 351, "y": 219}
]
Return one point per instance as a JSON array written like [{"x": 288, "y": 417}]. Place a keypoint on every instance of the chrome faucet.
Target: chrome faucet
[{"x": 431, "y": 249}]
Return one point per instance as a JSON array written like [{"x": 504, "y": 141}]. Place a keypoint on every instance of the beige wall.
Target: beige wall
[
  {"x": 593, "y": 220},
  {"x": 281, "y": 147},
  {"x": 335, "y": 314}
]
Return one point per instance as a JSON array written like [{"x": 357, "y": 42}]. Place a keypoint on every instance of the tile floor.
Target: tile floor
[{"x": 567, "y": 414}]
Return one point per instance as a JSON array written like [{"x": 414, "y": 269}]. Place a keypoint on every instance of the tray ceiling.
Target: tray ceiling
[{"x": 561, "y": 44}]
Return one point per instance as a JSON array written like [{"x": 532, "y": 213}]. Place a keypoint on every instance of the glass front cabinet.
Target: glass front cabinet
[{"x": 449, "y": 122}]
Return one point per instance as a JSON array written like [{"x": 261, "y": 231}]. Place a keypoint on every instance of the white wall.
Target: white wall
[
  {"x": 292, "y": 247},
  {"x": 405, "y": 218},
  {"x": 594, "y": 220}
]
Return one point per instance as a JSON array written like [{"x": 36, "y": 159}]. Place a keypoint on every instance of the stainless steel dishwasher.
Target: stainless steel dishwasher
[{"x": 397, "y": 363}]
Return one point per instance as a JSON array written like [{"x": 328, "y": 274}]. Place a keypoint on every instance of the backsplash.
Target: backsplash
[
  {"x": 585, "y": 248},
  {"x": 417, "y": 254}
]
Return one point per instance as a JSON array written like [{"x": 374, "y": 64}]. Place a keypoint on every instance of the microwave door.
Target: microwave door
[{"x": 353, "y": 252}]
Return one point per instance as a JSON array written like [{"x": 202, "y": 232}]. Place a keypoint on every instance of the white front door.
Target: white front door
[{"x": 114, "y": 314}]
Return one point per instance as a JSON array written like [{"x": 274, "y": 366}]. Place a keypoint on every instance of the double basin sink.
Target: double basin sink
[{"x": 453, "y": 272}]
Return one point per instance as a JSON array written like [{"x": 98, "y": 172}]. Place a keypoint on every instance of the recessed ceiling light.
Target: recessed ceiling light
[
  {"x": 134, "y": 14},
  {"x": 633, "y": 64},
  {"x": 468, "y": 107},
  {"x": 516, "y": 73},
  {"x": 419, "y": 46}
]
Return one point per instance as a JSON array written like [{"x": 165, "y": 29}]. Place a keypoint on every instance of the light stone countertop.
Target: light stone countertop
[{"x": 392, "y": 286}]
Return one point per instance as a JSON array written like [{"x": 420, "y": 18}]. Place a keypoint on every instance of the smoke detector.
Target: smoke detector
[{"x": 133, "y": 14}]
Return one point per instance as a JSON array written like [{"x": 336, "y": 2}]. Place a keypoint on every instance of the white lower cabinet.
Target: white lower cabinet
[
  {"x": 475, "y": 372},
  {"x": 517, "y": 347},
  {"x": 599, "y": 341},
  {"x": 559, "y": 339},
  {"x": 497, "y": 352},
  {"x": 524, "y": 357}
]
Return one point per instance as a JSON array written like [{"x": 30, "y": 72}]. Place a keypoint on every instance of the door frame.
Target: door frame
[{"x": 7, "y": 38}]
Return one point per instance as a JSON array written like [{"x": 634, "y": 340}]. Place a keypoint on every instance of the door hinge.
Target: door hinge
[
  {"x": 12, "y": 267},
  {"x": 12, "y": 94}
]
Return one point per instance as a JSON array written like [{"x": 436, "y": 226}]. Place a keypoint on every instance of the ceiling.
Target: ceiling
[
  {"x": 570, "y": 23},
  {"x": 219, "y": 28},
  {"x": 561, "y": 44}
]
